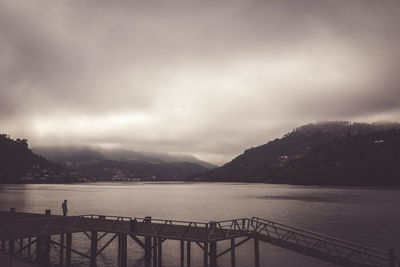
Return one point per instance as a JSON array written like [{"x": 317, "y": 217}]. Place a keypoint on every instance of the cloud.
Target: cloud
[{"x": 200, "y": 77}]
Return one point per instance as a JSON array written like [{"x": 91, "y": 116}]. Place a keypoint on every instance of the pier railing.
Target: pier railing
[{"x": 320, "y": 246}]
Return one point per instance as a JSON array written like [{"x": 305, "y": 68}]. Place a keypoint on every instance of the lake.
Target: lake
[{"x": 369, "y": 216}]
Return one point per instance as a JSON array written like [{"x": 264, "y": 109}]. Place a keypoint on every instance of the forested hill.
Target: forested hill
[
  {"x": 329, "y": 153},
  {"x": 18, "y": 164}
]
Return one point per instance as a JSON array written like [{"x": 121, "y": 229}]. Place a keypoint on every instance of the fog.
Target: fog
[{"x": 206, "y": 78}]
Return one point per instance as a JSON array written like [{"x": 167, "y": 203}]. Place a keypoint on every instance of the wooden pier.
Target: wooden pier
[{"x": 32, "y": 236}]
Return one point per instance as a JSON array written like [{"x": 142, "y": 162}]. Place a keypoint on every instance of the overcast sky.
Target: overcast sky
[{"x": 206, "y": 78}]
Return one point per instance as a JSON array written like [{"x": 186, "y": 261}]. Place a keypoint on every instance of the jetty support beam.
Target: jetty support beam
[
  {"x": 188, "y": 254},
  {"x": 62, "y": 250},
  {"x": 11, "y": 246},
  {"x": 213, "y": 246},
  {"x": 123, "y": 247},
  {"x": 39, "y": 250},
  {"x": 213, "y": 254},
  {"x": 205, "y": 255},
  {"x": 155, "y": 261},
  {"x": 147, "y": 251},
  {"x": 46, "y": 250},
  {"x": 233, "y": 256},
  {"x": 182, "y": 253},
  {"x": 147, "y": 245},
  {"x": 256, "y": 252},
  {"x": 93, "y": 249},
  {"x": 159, "y": 252},
  {"x": 68, "y": 250}
]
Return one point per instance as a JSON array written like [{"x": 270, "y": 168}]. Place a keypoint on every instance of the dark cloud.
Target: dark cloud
[{"x": 209, "y": 78}]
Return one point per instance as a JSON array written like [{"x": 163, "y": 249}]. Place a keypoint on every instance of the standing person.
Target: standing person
[{"x": 64, "y": 208}]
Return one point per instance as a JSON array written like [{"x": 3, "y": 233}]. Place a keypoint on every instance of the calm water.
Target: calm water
[{"x": 368, "y": 216}]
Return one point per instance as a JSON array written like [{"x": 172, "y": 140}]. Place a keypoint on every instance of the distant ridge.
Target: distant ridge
[
  {"x": 98, "y": 164},
  {"x": 64, "y": 154},
  {"x": 325, "y": 153}
]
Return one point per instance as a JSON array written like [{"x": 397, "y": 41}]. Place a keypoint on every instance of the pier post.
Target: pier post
[
  {"x": 11, "y": 243},
  {"x": 68, "y": 250},
  {"x": 123, "y": 250},
  {"x": 155, "y": 252},
  {"x": 46, "y": 245},
  {"x": 39, "y": 250},
  {"x": 147, "y": 251},
  {"x": 213, "y": 254},
  {"x": 205, "y": 255},
  {"x": 119, "y": 250},
  {"x": 21, "y": 244},
  {"x": 62, "y": 250},
  {"x": 159, "y": 252},
  {"x": 182, "y": 253},
  {"x": 11, "y": 246},
  {"x": 93, "y": 248},
  {"x": 147, "y": 245},
  {"x": 233, "y": 256},
  {"x": 205, "y": 250},
  {"x": 188, "y": 254},
  {"x": 29, "y": 248},
  {"x": 391, "y": 258},
  {"x": 46, "y": 251},
  {"x": 256, "y": 253},
  {"x": 213, "y": 247}
]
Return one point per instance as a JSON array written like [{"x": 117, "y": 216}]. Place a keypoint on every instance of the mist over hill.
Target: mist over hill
[
  {"x": 100, "y": 164},
  {"x": 325, "y": 153},
  {"x": 74, "y": 154}
]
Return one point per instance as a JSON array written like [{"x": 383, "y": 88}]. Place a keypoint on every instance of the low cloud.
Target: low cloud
[{"x": 198, "y": 77}]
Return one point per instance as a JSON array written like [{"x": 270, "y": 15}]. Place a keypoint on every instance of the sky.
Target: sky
[{"x": 205, "y": 78}]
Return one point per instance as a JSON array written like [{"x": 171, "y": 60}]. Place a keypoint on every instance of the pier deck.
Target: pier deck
[{"x": 21, "y": 231}]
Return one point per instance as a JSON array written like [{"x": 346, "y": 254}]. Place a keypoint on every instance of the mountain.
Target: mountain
[
  {"x": 124, "y": 164},
  {"x": 18, "y": 164},
  {"x": 325, "y": 153}
]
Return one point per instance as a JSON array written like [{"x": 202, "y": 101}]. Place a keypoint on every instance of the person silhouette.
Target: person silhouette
[{"x": 64, "y": 208}]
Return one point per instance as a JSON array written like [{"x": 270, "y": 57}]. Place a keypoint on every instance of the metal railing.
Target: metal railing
[
  {"x": 307, "y": 242},
  {"x": 318, "y": 245}
]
